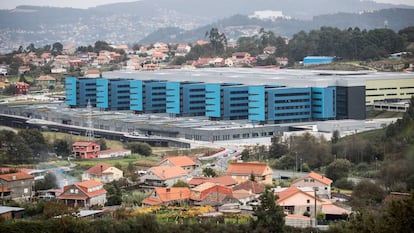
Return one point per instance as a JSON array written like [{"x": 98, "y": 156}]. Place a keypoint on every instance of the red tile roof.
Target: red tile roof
[
  {"x": 323, "y": 179},
  {"x": 98, "y": 168},
  {"x": 16, "y": 176},
  {"x": 167, "y": 172},
  {"x": 197, "y": 180},
  {"x": 180, "y": 161},
  {"x": 252, "y": 186},
  {"x": 247, "y": 168},
  {"x": 83, "y": 143}
]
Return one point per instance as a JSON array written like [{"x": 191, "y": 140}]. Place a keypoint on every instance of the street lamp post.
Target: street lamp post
[{"x": 315, "y": 215}]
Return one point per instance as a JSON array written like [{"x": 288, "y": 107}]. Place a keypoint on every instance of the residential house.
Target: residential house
[
  {"x": 167, "y": 196},
  {"x": 102, "y": 60},
  {"x": 159, "y": 57},
  {"x": 102, "y": 172},
  {"x": 185, "y": 162},
  {"x": 84, "y": 194},
  {"x": 46, "y": 81},
  {"x": 212, "y": 194},
  {"x": 269, "y": 50},
  {"x": 161, "y": 47},
  {"x": 164, "y": 176},
  {"x": 7, "y": 212},
  {"x": 61, "y": 61},
  {"x": 298, "y": 202},
  {"x": 21, "y": 88},
  {"x": 46, "y": 57},
  {"x": 85, "y": 149},
  {"x": 321, "y": 183},
  {"x": 68, "y": 49},
  {"x": 19, "y": 185},
  {"x": 182, "y": 50},
  {"x": 282, "y": 61},
  {"x": 113, "y": 153},
  {"x": 238, "y": 56},
  {"x": 241, "y": 172},
  {"x": 94, "y": 73}
]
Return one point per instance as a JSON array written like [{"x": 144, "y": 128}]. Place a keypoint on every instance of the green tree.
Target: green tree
[
  {"x": 209, "y": 172},
  {"x": 367, "y": 193},
  {"x": 114, "y": 196},
  {"x": 140, "y": 148},
  {"x": 269, "y": 215},
  {"x": 218, "y": 41},
  {"x": 49, "y": 182},
  {"x": 338, "y": 169},
  {"x": 35, "y": 140},
  {"x": 181, "y": 183},
  {"x": 102, "y": 144},
  {"x": 277, "y": 149},
  {"x": 57, "y": 48},
  {"x": 61, "y": 147},
  {"x": 9, "y": 90}
]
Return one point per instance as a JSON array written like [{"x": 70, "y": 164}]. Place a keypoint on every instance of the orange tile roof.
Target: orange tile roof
[
  {"x": 16, "y": 176},
  {"x": 167, "y": 172},
  {"x": 180, "y": 161},
  {"x": 164, "y": 195},
  {"x": 92, "y": 72},
  {"x": 83, "y": 187},
  {"x": 88, "y": 184},
  {"x": 320, "y": 178},
  {"x": 329, "y": 208},
  {"x": 98, "y": 168},
  {"x": 223, "y": 180},
  {"x": 247, "y": 168},
  {"x": 289, "y": 192},
  {"x": 323, "y": 179}
]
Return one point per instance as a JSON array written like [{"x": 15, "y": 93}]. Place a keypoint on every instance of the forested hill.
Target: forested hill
[{"x": 238, "y": 25}]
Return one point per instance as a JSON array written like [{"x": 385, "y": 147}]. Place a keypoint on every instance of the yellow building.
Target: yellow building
[{"x": 390, "y": 88}]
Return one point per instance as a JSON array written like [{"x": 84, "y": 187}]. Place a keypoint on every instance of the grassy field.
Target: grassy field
[{"x": 383, "y": 114}]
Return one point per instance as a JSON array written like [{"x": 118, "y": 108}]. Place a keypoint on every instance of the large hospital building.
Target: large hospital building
[{"x": 257, "y": 95}]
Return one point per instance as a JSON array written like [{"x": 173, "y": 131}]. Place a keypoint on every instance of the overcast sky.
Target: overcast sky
[{"x": 11, "y": 4}]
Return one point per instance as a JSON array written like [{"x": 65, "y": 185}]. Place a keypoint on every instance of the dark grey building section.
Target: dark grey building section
[{"x": 350, "y": 103}]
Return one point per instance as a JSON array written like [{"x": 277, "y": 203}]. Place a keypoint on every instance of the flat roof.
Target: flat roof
[{"x": 256, "y": 76}]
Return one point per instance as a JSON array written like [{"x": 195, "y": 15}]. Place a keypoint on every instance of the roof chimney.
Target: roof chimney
[
  {"x": 168, "y": 190},
  {"x": 13, "y": 177}
]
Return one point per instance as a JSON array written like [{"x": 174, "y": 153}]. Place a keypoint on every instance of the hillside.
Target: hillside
[{"x": 242, "y": 25}]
